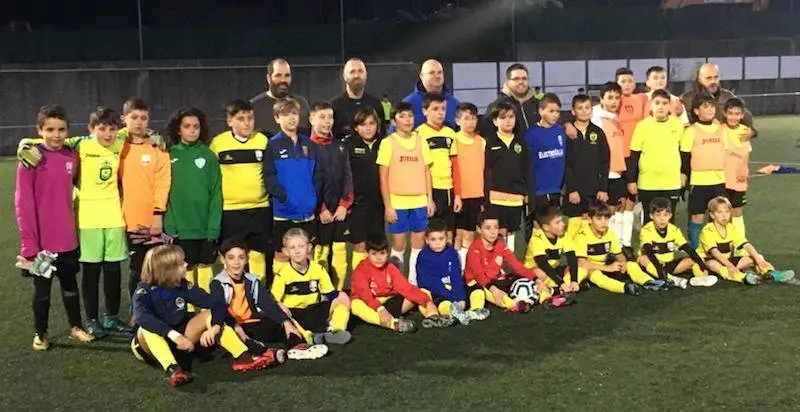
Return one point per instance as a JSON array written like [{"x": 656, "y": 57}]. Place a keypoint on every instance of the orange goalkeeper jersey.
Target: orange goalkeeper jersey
[{"x": 146, "y": 174}]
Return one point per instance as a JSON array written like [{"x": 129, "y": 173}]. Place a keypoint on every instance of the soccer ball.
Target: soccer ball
[{"x": 524, "y": 290}]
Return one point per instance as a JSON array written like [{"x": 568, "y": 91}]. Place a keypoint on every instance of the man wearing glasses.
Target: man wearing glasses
[{"x": 518, "y": 92}]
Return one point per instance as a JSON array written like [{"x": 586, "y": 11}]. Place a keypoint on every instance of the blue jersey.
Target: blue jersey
[
  {"x": 547, "y": 146},
  {"x": 291, "y": 176},
  {"x": 440, "y": 273}
]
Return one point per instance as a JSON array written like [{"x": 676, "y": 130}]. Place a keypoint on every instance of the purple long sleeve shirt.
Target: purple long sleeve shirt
[{"x": 44, "y": 206}]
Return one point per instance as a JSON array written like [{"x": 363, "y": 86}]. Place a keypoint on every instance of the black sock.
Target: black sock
[
  {"x": 41, "y": 303},
  {"x": 112, "y": 287},
  {"x": 70, "y": 295},
  {"x": 90, "y": 285}
]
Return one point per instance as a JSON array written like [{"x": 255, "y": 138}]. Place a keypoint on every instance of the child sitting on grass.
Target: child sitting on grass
[
  {"x": 729, "y": 254},
  {"x": 168, "y": 331},
  {"x": 439, "y": 273},
  {"x": 256, "y": 317},
  {"x": 381, "y": 294}
]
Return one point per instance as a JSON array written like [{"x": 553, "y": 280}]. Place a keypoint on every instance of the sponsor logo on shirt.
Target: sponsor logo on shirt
[
  {"x": 409, "y": 159},
  {"x": 551, "y": 154},
  {"x": 360, "y": 150}
]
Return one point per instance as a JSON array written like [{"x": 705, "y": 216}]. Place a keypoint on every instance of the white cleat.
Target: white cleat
[{"x": 705, "y": 281}]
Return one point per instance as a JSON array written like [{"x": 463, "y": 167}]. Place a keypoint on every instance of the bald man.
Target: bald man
[
  {"x": 707, "y": 80},
  {"x": 431, "y": 80},
  {"x": 279, "y": 83},
  {"x": 354, "y": 98}
]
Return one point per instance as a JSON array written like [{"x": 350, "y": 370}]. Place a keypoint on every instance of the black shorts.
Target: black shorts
[
  {"x": 572, "y": 210},
  {"x": 467, "y": 219},
  {"x": 669, "y": 267},
  {"x": 624, "y": 178},
  {"x": 254, "y": 226},
  {"x": 647, "y": 197},
  {"x": 366, "y": 220},
  {"x": 314, "y": 318},
  {"x": 333, "y": 232},
  {"x": 737, "y": 199},
  {"x": 437, "y": 299},
  {"x": 137, "y": 254},
  {"x": 544, "y": 201},
  {"x": 503, "y": 284},
  {"x": 733, "y": 259},
  {"x": 194, "y": 254},
  {"x": 394, "y": 305},
  {"x": 701, "y": 195},
  {"x": 443, "y": 199},
  {"x": 510, "y": 216},
  {"x": 280, "y": 227},
  {"x": 617, "y": 190}
]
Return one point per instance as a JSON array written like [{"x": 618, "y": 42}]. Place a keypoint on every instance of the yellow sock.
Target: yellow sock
[
  {"x": 307, "y": 334},
  {"x": 636, "y": 273},
  {"x": 606, "y": 283},
  {"x": 738, "y": 223},
  {"x": 258, "y": 264},
  {"x": 204, "y": 276},
  {"x": 574, "y": 225},
  {"x": 229, "y": 340},
  {"x": 651, "y": 269},
  {"x": 364, "y": 312},
  {"x": 339, "y": 264},
  {"x": 507, "y": 302},
  {"x": 723, "y": 272},
  {"x": 477, "y": 299},
  {"x": 321, "y": 253},
  {"x": 544, "y": 293},
  {"x": 277, "y": 265},
  {"x": 357, "y": 258},
  {"x": 191, "y": 277},
  {"x": 696, "y": 270},
  {"x": 159, "y": 348},
  {"x": 444, "y": 307},
  {"x": 339, "y": 317}
]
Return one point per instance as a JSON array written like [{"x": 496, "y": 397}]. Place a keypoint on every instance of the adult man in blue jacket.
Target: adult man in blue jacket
[{"x": 431, "y": 80}]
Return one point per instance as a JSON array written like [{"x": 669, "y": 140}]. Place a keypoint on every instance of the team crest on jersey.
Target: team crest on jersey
[
  {"x": 449, "y": 141},
  {"x": 69, "y": 166},
  {"x": 628, "y": 108},
  {"x": 560, "y": 140},
  {"x": 259, "y": 155},
  {"x": 105, "y": 172},
  {"x": 305, "y": 150},
  {"x": 180, "y": 303},
  {"x": 517, "y": 148},
  {"x": 607, "y": 247},
  {"x": 313, "y": 286},
  {"x": 146, "y": 159},
  {"x": 593, "y": 138},
  {"x": 200, "y": 162},
  {"x": 671, "y": 246}
]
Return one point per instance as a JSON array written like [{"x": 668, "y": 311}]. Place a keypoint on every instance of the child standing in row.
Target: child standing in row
[
  {"x": 468, "y": 177},
  {"x": 405, "y": 161},
  {"x": 45, "y": 216},
  {"x": 194, "y": 210}
]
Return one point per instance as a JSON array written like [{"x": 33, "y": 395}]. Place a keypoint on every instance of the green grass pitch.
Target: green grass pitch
[{"x": 729, "y": 347}]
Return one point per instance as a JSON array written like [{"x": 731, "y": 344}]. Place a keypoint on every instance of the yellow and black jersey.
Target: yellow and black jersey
[
  {"x": 665, "y": 242},
  {"x": 442, "y": 144},
  {"x": 242, "y": 170},
  {"x": 541, "y": 245},
  {"x": 730, "y": 244},
  {"x": 596, "y": 249},
  {"x": 300, "y": 290}
]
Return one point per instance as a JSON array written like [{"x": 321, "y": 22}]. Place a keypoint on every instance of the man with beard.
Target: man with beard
[
  {"x": 707, "y": 79},
  {"x": 353, "y": 99},
  {"x": 431, "y": 80},
  {"x": 518, "y": 93},
  {"x": 279, "y": 82}
]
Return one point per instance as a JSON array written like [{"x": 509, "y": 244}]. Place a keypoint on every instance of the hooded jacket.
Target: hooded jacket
[
  {"x": 526, "y": 112},
  {"x": 721, "y": 96},
  {"x": 416, "y": 97}
]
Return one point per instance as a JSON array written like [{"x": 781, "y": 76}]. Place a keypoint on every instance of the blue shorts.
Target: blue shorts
[{"x": 409, "y": 220}]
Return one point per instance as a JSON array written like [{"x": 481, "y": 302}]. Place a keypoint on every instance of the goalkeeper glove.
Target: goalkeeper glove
[
  {"x": 156, "y": 139},
  {"x": 28, "y": 154},
  {"x": 41, "y": 265}
]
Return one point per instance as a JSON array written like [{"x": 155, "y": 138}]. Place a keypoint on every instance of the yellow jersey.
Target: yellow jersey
[
  {"x": 541, "y": 245},
  {"x": 664, "y": 242},
  {"x": 300, "y": 290},
  {"x": 242, "y": 170},
  {"x": 660, "y": 159},
  {"x": 596, "y": 249},
  {"x": 730, "y": 244},
  {"x": 441, "y": 143}
]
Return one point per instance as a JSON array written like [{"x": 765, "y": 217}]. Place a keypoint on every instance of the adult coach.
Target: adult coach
[
  {"x": 279, "y": 83},
  {"x": 353, "y": 99},
  {"x": 431, "y": 80},
  {"x": 517, "y": 92},
  {"x": 707, "y": 80}
]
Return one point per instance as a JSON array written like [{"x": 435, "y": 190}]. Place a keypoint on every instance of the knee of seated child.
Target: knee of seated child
[{"x": 343, "y": 299}]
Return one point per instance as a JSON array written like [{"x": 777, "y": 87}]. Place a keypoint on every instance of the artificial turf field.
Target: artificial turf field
[{"x": 730, "y": 347}]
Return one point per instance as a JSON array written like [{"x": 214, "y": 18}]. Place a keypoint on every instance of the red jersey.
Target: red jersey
[
  {"x": 485, "y": 266},
  {"x": 370, "y": 283}
]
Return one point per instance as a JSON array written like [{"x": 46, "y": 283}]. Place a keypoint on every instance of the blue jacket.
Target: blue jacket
[
  {"x": 547, "y": 147},
  {"x": 160, "y": 309},
  {"x": 440, "y": 273},
  {"x": 262, "y": 305},
  {"x": 291, "y": 177},
  {"x": 415, "y": 98}
]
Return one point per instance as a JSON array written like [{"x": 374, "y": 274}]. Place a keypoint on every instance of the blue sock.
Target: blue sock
[{"x": 694, "y": 234}]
